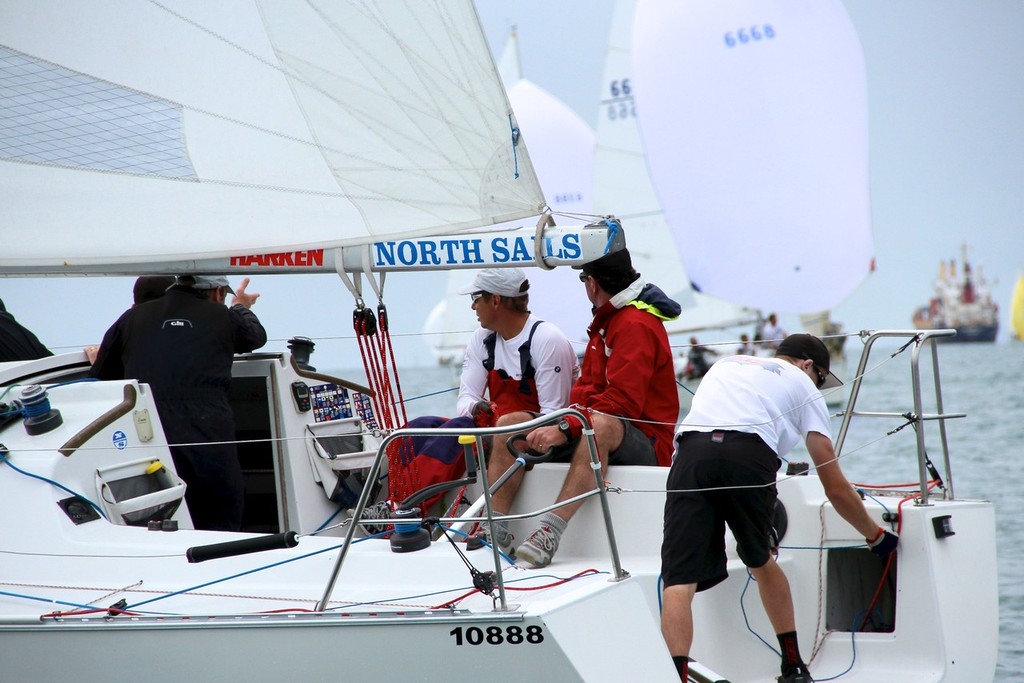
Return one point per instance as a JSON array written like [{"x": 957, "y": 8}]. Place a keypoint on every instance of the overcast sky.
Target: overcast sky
[
  {"x": 946, "y": 106},
  {"x": 946, "y": 129}
]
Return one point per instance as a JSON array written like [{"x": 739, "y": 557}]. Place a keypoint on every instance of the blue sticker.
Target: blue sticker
[{"x": 120, "y": 440}]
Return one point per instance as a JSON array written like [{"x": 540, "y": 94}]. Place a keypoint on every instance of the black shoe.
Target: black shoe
[{"x": 797, "y": 676}]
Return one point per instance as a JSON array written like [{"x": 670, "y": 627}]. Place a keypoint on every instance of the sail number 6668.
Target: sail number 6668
[
  {"x": 746, "y": 35},
  {"x": 496, "y": 635}
]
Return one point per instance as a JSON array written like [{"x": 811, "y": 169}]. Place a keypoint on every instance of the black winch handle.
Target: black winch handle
[
  {"x": 215, "y": 551},
  {"x": 530, "y": 456}
]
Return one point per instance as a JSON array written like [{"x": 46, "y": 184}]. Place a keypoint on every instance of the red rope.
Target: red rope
[
  {"x": 377, "y": 351},
  {"x": 892, "y": 556},
  {"x": 455, "y": 601},
  {"x": 365, "y": 328},
  {"x": 386, "y": 343}
]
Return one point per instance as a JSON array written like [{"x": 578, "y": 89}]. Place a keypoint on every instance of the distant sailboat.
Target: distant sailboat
[
  {"x": 1017, "y": 309},
  {"x": 764, "y": 175},
  {"x": 759, "y": 150},
  {"x": 622, "y": 186},
  {"x": 564, "y": 162},
  {"x": 448, "y": 325}
]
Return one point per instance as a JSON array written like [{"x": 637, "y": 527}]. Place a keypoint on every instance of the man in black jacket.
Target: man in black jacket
[{"x": 182, "y": 345}]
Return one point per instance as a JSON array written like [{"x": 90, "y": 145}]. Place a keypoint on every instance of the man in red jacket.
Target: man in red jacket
[{"x": 627, "y": 384}]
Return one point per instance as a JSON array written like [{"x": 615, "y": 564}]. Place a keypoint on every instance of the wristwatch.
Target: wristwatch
[{"x": 563, "y": 426}]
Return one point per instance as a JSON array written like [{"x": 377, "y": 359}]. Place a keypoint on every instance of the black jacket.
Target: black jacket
[
  {"x": 180, "y": 344},
  {"x": 16, "y": 341}
]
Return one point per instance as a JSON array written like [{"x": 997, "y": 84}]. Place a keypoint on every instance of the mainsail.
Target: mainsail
[
  {"x": 758, "y": 150},
  {"x": 621, "y": 182},
  {"x": 563, "y": 156},
  {"x": 165, "y": 131}
]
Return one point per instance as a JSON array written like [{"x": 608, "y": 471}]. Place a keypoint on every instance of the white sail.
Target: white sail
[
  {"x": 452, "y": 320},
  {"x": 754, "y": 117},
  {"x": 621, "y": 183},
  {"x": 563, "y": 155},
  {"x": 622, "y": 187},
  {"x": 562, "y": 147},
  {"x": 163, "y": 132}
]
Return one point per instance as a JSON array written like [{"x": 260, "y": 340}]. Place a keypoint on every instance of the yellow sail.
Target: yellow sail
[{"x": 1017, "y": 308}]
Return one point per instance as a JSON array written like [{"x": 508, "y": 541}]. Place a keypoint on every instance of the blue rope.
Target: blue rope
[
  {"x": 613, "y": 230},
  {"x": 249, "y": 571},
  {"x": 326, "y": 522},
  {"x": 434, "y": 393},
  {"x": 49, "y": 601},
  {"x": 487, "y": 543},
  {"x": 853, "y": 627},
  {"x": 5, "y": 460},
  {"x": 515, "y": 144}
]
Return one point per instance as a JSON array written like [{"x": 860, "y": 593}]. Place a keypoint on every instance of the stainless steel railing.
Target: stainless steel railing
[
  {"x": 478, "y": 434},
  {"x": 918, "y": 339}
]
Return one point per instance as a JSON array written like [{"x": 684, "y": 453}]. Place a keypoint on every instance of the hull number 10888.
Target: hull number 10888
[{"x": 496, "y": 635}]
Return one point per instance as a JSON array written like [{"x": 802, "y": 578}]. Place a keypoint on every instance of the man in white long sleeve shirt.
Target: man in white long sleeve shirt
[{"x": 516, "y": 367}]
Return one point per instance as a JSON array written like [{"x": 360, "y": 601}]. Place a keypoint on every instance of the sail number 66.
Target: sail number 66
[
  {"x": 496, "y": 635},
  {"x": 746, "y": 35}
]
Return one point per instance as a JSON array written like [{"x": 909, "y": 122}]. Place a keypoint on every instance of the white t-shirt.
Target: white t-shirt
[
  {"x": 769, "y": 397},
  {"x": 554, "y": 362}
]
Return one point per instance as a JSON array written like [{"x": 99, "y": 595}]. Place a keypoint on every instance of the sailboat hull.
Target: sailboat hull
[
  {"x": 399, "y": 646},
  {"x": 934, "y": 621},
  {"x": 416, "y": 615},
  {"x": 964, "y": 333}
]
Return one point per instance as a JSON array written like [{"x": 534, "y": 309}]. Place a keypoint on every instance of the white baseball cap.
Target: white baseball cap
[{"x": 510, "y": 282}]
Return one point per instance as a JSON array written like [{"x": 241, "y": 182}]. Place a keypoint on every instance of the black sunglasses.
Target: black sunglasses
[
  {"x": 822, "y": 376},
  {"x": 476, "y": 296},
  {"x": 583, "y": 276}
]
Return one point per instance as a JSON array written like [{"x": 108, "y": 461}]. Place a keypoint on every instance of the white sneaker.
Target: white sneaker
[{"x": 539, "y": 547}]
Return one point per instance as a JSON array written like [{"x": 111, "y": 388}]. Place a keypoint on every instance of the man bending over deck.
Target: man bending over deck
[{"x": 746, "y": 414}]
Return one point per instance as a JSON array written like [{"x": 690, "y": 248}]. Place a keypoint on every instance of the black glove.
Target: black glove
[{"x": 884, "y": 544}]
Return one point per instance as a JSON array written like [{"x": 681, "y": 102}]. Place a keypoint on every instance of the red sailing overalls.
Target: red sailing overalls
[{"x": 507, "y": 394}]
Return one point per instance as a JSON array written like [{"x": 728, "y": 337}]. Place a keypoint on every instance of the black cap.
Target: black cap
[
  {"x": 149, "y": 287},
  {"x": 809, "y": 347},
  {"x": 616, "y": 260},
  {"x": 613, "y": 263}
]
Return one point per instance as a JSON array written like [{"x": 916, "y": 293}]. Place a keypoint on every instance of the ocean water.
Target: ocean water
[{"x": 981, "y": 380}]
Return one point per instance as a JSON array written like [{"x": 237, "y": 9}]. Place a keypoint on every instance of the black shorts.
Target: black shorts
[
  {"x": 709, "y": 465},
  {"x": 636, "y": 448}
]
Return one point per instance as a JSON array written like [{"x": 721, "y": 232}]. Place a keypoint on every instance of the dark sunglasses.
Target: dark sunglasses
[
  {"x": 821, "y": 377},
  {"x": 583, "y": 277},
  {"x": 476, "y": 296}
]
